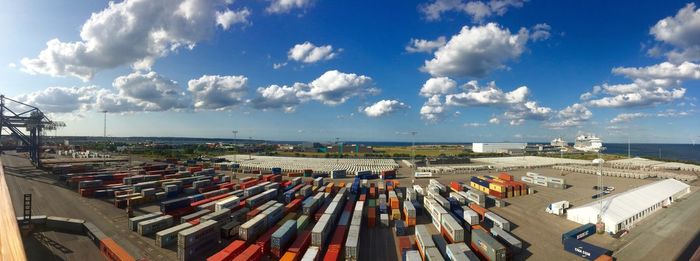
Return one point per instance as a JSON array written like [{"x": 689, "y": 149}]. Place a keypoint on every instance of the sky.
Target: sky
[{"x": 314, "y": 70}]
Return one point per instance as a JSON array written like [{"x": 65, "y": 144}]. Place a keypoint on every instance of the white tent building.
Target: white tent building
[{"x": 624, "y": 210}]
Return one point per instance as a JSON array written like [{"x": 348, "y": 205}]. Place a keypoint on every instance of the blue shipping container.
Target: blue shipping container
[
  {"x": 579, "y": 232},
  {"x": 583, "y": 249}
]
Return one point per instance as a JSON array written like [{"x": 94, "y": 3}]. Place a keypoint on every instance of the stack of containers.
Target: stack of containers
[
  {"x": 300, "y": 244},
  {"x": 493, "y": 220},
  {"x": 514, "y": 245},
  {"x": 409, "y": 211},
  {"x": 477, "y": 197},
  {"x": 167, "y": 237},
  {"x": 352, "y": 243},
  {"x": 460, "y": 251},
  {"x": 152, "y": 226},
  {"x": 395, "y": 206},
  {"x": 321, "y": 230},
  {"x": 486, "y": 246},
  {"x": 197, "y": 240},
  {"x": 451, "y": 229},
  {"x": 424, "y": 240}
]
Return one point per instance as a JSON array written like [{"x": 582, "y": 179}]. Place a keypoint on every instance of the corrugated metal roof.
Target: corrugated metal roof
[{"x": 620, "y": 207}]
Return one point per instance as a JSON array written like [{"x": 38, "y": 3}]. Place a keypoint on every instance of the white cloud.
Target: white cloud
[
  {"x": 433, "y": 109},
  {"x": 135, "y": 32},
  {"x": 674, "y": 113},
  {"x": 438, "y": 85},
  {"x": 61, "y": 99},
  {"x": 278, "y": 65},
  {"x": 278, "y": 97},
  {"x": 494, "y": 120},
  {"x": 310, "y": 53},
  {"x": 228, "y": 18},
  {"x": 540, "y": 32},
  {"x": 284, "y": 6},
  {"x": 640, "y": 93},
  {"x": 571, "y": 116},
  {"x": 334, "y": 87},
  {"x": 425, "y": 46},
  {"x": 665, "y": 70},
  {"x": 518, "y": 113},
  {"x": 680, "y": 31},
  {"x": 151, "y": 91},
  {"x": 627, "y": 117},
  {"x": 384, "y": 107},
  {"x": 474, "y": 124},
  {"x": 478, "y": 10},
  {"x": 476, "y": 51},
  {"x": 216, "y": 92},
  {"x": 474, "y": 95}
]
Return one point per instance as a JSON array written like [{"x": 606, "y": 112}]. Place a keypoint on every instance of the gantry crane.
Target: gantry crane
[{"x": 27, "y": 123}]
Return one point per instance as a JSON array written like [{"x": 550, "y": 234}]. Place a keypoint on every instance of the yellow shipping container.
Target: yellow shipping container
[
  {"x": 395, "y": 214},
  {"x": 479, "y": 187},
  {"x": 497, "y": 187}
]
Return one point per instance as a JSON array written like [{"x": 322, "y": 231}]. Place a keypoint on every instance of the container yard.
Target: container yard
[{"x": 224, "y": 211}]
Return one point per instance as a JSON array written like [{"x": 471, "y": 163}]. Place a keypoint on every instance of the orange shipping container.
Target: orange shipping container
[
  {"x": 478, "y": 209},
  {"x": 111, "y": 251},
  {"x": 252, "y": 253},
  {"x": 289, "y": 256},
  {"x": 371, "y": 217},
  {"x": 394, "y": 202},
  {"x": 505, "y": 176},
  {"x": 604, "y": 258}
]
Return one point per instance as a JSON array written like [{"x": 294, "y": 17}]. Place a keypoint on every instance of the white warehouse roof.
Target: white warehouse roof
[{"x": 620, "y": 207}]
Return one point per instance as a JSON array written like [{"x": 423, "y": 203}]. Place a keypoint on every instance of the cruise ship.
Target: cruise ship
[{"x": 588, "y": 143}]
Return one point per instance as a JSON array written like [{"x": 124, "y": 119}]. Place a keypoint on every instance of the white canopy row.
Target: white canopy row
[
  {"x": 637, "y": 174},
  {"x": 647, "y": 164},
  {"x": 318, "y": 165}
]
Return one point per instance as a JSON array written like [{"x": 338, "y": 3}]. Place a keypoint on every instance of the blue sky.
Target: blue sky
[{"x": 352, "y": 69}]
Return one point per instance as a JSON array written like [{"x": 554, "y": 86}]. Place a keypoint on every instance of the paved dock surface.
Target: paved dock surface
[{"x": 52, "y": 199}]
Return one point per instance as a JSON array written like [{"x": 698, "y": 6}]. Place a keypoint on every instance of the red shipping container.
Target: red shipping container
[
  {"x": 229, "y": 252},
  {"x": 301, "y": 243},
  {"x": 292, "y": 206},
  {"x": 252, "y": 253},
  {"x": 251, "y": 214},
  {"x": 505, "y": 176},
  {"x": 338, "y": 239},
  {"x": 455, "y": 186},
  {"x": 332, "y": 255},
  {"x": 405, "y": 244},
  {"x": 363, "y": 197},
  {"x": 264, "y": 240},
  {"x": 371, "y": 216}
]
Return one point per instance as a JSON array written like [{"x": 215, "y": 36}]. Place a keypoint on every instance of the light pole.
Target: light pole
[
  {"x": 600, "y": 226},
  {"x": 337, "y": 155},
  {"x": 234, "y": 140},
  {"x": 250, "y": 156},
  {"x": 413, "y": 150},
  {"x": 104, "y": 159}
]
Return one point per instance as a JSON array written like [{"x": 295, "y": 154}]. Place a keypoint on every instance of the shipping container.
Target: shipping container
[
  {"x": 423, "y": 239},
  {"x": 460, "y": 252},
  {"x": 301, "y": 243},
  {"x": 312, "y": 254},
  {"x": 579, "y": 233},
  {"x": 252, "y": 253},
  {"x": 514, "y": 245},
  {"x": 433, "y": 254},
  {"x": 283, "y": 237},
  {"x": 486, "y": 246},
  {"x": 493, "y": 220},
  {"x": 452, "y": 229},
  {"x": 583, "y": 249},
  {"x": 134, "y": 221}
]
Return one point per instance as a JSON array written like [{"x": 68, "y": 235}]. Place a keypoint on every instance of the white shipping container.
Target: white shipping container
[
  {"x": 413, "y": 255},
  {"x": 419, "y": 190},
  {"x": 470, "y": 216},
  {"x": 453, "y": 228},
  {"x": 423, "y": 238},
  {"x": 497, "y": 221},
  {"x": 352, "y": 243},
  {"x": 229, "y": 203},
  {"x": 320, "y": 231},
  {"x": 312, "y": 254},
  {"x": 423, "y": 174},
  {"x": 460, "y": 252}
]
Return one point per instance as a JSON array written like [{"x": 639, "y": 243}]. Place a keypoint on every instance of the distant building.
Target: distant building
[
  {"x": 350, "y": 148},
  {"x": 541, "y": 149},
  {"x": 499, "y": 147}
]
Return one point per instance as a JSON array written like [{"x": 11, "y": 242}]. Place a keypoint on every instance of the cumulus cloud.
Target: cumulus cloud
[
  {"x": 571, "y": 116},
  {"x": 640, "y": 93},
  {"x": 680, "y": 32},
  {"x": 494, "y": 120},
  {"x": 665, "y": 70},
  {"x": 520, "y": 112},
  {"x": 278, "y": 97},
  {"x": 438, "y": 86},
  {"x": 476, "y": 51},
  {"x": 433, "y": 109},
  {"x": 335, "y": 87},
  {"x": 384, "y": 107},
  {"x": 216, "y": 92},
  {"x": 477, "y": 10},
  {"x": 61, "y": 99},
  {"x": 135, "y": 32},
  {"x": 285, "y": 6},
  {"x": 228, "y": 18},
  {"x": 310, "y": 53},
  {"x": 475, "y": 95},
  {"x": 627, "y": 117},
  {"x": 151, "y": 91},
  {"x": 540, "y": 32},
  {"x": 425, "y": 46},
  {"x": 331, "y": 88}
]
